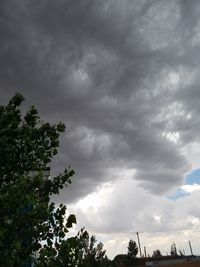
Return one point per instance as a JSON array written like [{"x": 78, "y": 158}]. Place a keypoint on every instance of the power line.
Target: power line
[{"x": 169, "y": 230}]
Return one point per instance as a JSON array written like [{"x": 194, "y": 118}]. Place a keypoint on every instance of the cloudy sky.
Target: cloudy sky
[{"x": 124, "y": 77}]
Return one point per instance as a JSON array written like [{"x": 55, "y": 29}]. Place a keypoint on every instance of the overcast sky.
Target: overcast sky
[{"x": 124, "y": 77}]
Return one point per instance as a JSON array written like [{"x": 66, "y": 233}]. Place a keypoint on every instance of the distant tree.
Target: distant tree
[
  {"x": 81, "y": 251},
  {"x": 156, "y": 254},
  {"x": 173, "y": 251},
  {"x": 29, "y": 221},
  {"x": 121, "y": 260},
  {"x": 125, "y": 260},
  {"x": 132, "y": 249}
]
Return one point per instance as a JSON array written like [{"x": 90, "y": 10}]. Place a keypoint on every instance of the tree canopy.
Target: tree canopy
[
  {"x": 81, "y": 251},
  {"x": 30, "y": 221},
  {"x": 32, "y": 227},
  {"x": 156, "y": 254},
  {"x": 173, "y": 249},
  {"x": 132, "y": 249}
]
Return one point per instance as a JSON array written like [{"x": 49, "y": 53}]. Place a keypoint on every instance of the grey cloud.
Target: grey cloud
[{"x": 93, "y": 65}]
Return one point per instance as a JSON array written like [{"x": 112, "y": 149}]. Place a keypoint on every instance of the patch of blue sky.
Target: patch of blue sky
[
  {"x": 191, "y": 179},
  {"x": 179, "y": 193}
]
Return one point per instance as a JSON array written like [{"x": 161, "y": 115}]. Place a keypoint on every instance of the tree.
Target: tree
[
  {"x": 81, "y": 251},
  {"x": 132, "y": 249},
  {"x": 156, "y": 254},
  {"x": 125, "y": 260},
  {"x": 173, "y": 249},
  {"x": 29, "y": 221}
]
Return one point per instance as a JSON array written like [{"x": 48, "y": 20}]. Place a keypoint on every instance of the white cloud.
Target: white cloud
[
  {"x": 189, "y": 188},
  {"x": 121, "y": 209},
  {"x": 172, "y": 136}
]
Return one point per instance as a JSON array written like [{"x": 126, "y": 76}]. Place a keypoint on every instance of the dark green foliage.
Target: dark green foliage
[
  {"x": 156, "y": 254},
  {"x": 128, "y": 260},
  {"x": 28, "y": 220},
  {"x": 125, "y": 260},
  {"x": 132, "y": 249},
  {"x": 81, "y": 251}
]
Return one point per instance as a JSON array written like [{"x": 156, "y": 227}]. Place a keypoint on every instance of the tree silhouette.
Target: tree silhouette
[
  {"x": 132, "y": 249},
  {"x": 30, "y": 222},
  {"x": 173, "y": 249},
  {"x": 81, "y": 251},
  {"x": 156, "y": 254}
]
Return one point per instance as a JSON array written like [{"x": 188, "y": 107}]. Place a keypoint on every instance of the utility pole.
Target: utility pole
[
  {"x": 190, "y": 248},
  {"x": 145, "y": 252},
  {"x": 139, "y": 244}
]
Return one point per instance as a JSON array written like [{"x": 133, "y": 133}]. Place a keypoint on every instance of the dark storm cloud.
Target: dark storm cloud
[{"x": 111, "y": 70}]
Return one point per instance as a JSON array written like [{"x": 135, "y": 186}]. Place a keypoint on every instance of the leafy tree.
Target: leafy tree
[
  {"x": 156, "y": 254},
  {"x": 81, "y": 251},
  {"x": 121, "y": 260},
  {"x": 128, "y": 259},
  {"x": 125, "y": 260},
  {"x": 132, "y": 249},
  {"x": 29, "y": 221},
  {"x": 90, "y": 255}
]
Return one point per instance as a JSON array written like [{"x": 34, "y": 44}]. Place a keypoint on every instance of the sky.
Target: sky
[{"x": 124, "y": 77}]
